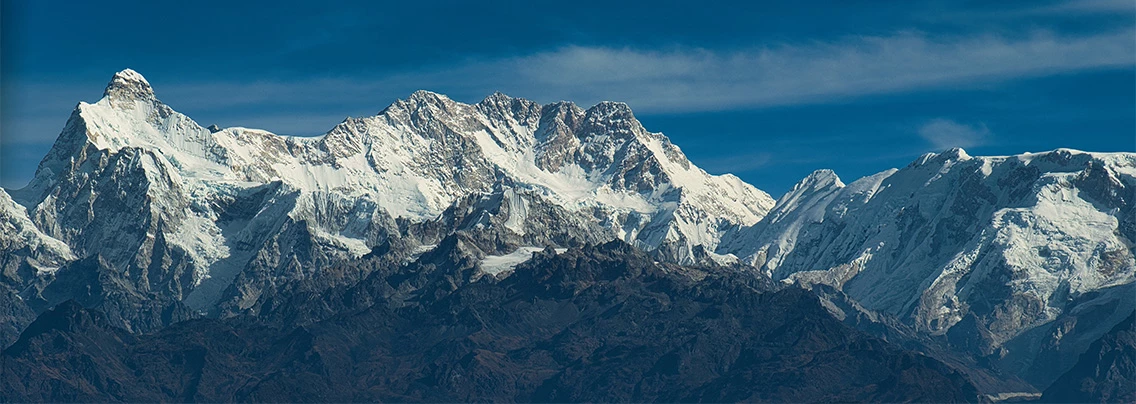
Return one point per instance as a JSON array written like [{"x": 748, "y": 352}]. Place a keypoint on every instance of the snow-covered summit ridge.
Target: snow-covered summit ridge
[
  {"x": 1008, "y": 240},
  {"x": 179, "y": 182}
]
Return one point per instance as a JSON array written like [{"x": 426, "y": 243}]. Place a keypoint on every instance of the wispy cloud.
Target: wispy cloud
[
  {"x": 1088, "y": 6},
  {"x": 658, "y": 81},
  {"x": 945, "y": 133},
  {"x": 694, "y": 79},
  {"x": 691, "y": 79}
]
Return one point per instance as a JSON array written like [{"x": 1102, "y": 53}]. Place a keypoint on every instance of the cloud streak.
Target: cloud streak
[
  {"x": 685, "y": 80},
  {"x": 658, "y": 81},
  {"x": 691, "y": 79},
  {"x": 1089, "y": 6},
  {"x": 945, "y": 133}
]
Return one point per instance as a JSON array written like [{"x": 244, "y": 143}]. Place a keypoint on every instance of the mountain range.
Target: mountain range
[{"x": 143, "y": 233}]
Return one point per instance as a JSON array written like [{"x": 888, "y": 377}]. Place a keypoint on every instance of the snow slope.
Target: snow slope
[
  {"x": 1007, "y": 241},
  {"x": 497, "y": 264}
]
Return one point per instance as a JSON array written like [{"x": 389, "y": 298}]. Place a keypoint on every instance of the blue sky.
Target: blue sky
[{"x": 767, "y": 90}]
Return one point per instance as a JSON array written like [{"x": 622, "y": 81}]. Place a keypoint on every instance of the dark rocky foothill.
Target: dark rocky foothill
[{"x": 602, "y": 323}]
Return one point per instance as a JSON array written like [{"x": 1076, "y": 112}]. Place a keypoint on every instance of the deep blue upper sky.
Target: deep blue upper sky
[{"x": 769, "y": 91}]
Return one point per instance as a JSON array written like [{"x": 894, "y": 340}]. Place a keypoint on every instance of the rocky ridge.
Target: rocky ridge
[{"x": 216, "y": 218}]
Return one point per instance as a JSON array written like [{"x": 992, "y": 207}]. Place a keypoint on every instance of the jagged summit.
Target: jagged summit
[
  {"x": 424, "y": 98},
  {"x": 427, "y": 95},
  {"x": 611, "y": 110},
  {"x": 497, "y": 96},
  {"x": 128, "y": 84}
]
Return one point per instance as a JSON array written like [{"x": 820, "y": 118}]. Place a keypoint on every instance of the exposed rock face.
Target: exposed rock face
[
  {"x": 1106, "y": 373},
  {"x": 601, "y": 323},
  {"x": 26, "y": 256}
]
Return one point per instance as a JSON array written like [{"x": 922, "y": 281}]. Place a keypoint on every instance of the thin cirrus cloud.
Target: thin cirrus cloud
[
  {"x": 690, "y": 80},
  {"x": 651, "y": 81},
  {"x": 945, "y": 133},
  {"x": 693, "y": 80},
  {"x": 1089, "y": 6}
]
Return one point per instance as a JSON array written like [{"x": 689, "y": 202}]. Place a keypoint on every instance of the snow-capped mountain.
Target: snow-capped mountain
[
  {"x": 981, "y": 249},
  {"x": 144, "y": 214},
  {"x": 183, "y": 210}
]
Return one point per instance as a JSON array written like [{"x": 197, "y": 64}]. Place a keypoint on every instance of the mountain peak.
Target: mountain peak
[
  {"x": 956, "y": 153},
  {"x": 950, "y": 155},
  {"x": 611, "y": 110},
  {"x": 422, "y": 99},
  {"x": 128, "y": 84},
  {"x": 427, "y": 95},
  {"x": 497, "y": 96},
  {"x": 819, "y": 179},
  {"x": 499, "y": 100}
]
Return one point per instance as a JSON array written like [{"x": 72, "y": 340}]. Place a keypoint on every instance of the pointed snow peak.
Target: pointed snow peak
[
  {"x": 820, "y": 181},
  {"x": 128, "y": 84}
]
